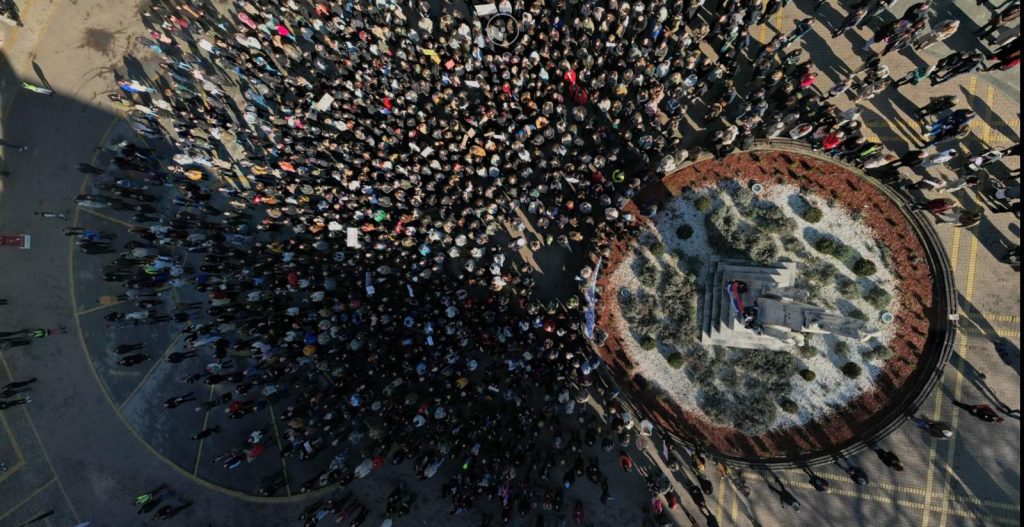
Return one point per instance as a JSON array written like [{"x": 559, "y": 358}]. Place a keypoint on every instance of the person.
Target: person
[
  {"x": 1007, "y": 56},
  {"x": 803, "y": 27},
  {"x": 915, "y": 76},
  {"x": 936, "y": 429},
  {"x": 786, "y": 498},
  {"x": 940, "y": 32},
  {"x": 889, "y": 459},
  {"x": 16, "y": 148},
  {"x": 206, "y": 432},
  {"x": 941, "y": 158},
  {"x": 146, "y": 497},
  {"x": 133, "y": 359},
  {"x": 983, "y": 412},
  {"x": 968, "y": 219},
  {"x": 851, "y": 21},
  {"x": 856, "y": 474},
  {"x": 936, "y": 105},
  {"x": 15, "y": 385},
  {"x": 999, "y": 20},
  {"x": 174, "y": 402},
  {"x": 10, "y": 403}
]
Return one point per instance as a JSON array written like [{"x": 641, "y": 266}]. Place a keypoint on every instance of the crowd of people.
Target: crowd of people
[{"x": 404, "y": 163}]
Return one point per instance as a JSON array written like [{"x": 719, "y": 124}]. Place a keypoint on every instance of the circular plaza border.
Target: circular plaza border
[{"x": 867, "y": 418}]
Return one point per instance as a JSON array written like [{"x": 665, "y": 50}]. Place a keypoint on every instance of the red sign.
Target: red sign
[{"x": 21, "y": 241}]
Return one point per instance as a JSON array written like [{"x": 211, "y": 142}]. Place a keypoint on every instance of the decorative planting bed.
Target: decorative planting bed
[{"x": 838, "y": 245}]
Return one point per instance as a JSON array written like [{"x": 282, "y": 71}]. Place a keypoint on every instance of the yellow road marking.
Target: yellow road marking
[
  {"x": 156, "y": 363},
  {"x": 992, "y": 317},
  {"x": 957, "y": 393},
  {"x": 106, "y": 394},
  {"x": 721, "y": 494},
  {"x": 989, "y": 95},
  {"x": 28, "y": 498},
  {"x": 844, "y": 481},
  {"x": 735, "y": 507},
  {"x": 13, "y": 467},
  {"x": 958, "y": 388},
  {"x": 199, "y": 449},
  {"x": 46, "y": 456},
  {"x": 284, "y": 464},
  {"x": 109, "y": 218},
  {"x": 972, "y": 264},
  {"x": 42, "y": 447},
  {"x": 954, "y": 252},
  {"x": 895, "y": 501},
  {"x": 1005, "y": 333},
  {"x": 100, "y": 307},
  {"x": 932, "y": 446}
]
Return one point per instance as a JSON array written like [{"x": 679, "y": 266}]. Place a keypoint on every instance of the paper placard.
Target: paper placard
[
  {"x": 352, "y": 237},
  {"x": 324, "y": 103}
]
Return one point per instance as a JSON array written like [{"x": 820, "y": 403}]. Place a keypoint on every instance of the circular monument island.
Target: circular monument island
[{"x": 777, "y": 307}]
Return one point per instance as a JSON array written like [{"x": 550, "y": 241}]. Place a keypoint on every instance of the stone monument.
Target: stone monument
[{"x": 756, "y": 307}]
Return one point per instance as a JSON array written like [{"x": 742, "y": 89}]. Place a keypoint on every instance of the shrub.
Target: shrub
[
  {"x": 808, "y": 375},
  {"x": 852, "y": 370},
  {"x": 647, "y": 342},
  {"x": 808, "y": 352},
  {"x": 772, "y": 219},
  {"x": 744, "y": 199},
  {"x": 834, "y": 248},
  {"x": 878, "y": 298},
  {"x": 842, "y": 349},
  {"x": 789, "y": 406},
  {"x": 648, "y": 274},
  {"x": 700, "y": 373},
  {"x": 812, "y": 215},
  {"x": 858, "y": 314},
  {"x": 658, "y": 249},
  {"x": 763, "y": 250},
  {"x": 702, "y": 203},
  {"x": 820, "y": 272},
  {"x": 729, "y": 377},
  {"x": 684, "y": 232},
  {"x": 864, "y": 267},
  {"x": 676, "y": 360},
  {"x": 879, "y": 352},
  {"x": 846, "y": 287}
]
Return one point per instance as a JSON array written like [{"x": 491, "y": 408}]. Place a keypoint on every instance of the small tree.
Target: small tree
[
  {"x": 852, "y": 370},
  {"x": 702, "y": 204},
  {"x": 648, "y": 342},
  {"x": 864, "y": 267},
  {"x": 808, "y": 352},
  {"x": 789, "y": 406},
  {"x": 676, "y": 360},
  {"x": 879, "y": 352},
  {"x": 842, "y": 348},
  {"x": 827, "y": 246},
  {"x": 808, "y": 375},
  {"x": 684, "y": 232},
  {"x": 878, "y": 298},
  {"x": 658, "y": 249},
  {"x": 812, "y": 215}
]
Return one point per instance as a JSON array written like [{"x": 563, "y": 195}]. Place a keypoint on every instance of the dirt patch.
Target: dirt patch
[{"x": 100, "y": 40}]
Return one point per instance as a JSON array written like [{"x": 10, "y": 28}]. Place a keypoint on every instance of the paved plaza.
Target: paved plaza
[{"x": 96, "y": 434}]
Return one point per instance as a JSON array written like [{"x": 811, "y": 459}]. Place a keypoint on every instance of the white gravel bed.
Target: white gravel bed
[{"x": 831, "y": 389}]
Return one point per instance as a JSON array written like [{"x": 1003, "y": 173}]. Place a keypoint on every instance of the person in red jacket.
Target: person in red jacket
[
  {"x": 833, "y": 140},
  {"x": 808, "y": 79},
  {"x": 625, "y": 461}
]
